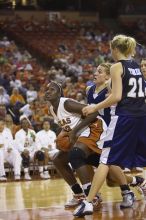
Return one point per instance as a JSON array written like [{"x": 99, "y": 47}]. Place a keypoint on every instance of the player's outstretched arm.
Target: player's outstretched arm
[{"x": 76, "y": 108}]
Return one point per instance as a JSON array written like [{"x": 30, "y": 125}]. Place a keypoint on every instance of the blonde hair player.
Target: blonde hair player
[{"x": 125, "y": 139}]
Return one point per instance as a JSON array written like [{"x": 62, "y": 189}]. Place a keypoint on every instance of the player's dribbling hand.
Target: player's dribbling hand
[{"x": 89, "y": 109}]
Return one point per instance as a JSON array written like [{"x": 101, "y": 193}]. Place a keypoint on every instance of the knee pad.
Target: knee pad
[
  {"x": 93, "y": 159},
  {"x": 25, "y": 160},
  {"x": 40, "y": 156},
  {"x": 77, "y": 157}
]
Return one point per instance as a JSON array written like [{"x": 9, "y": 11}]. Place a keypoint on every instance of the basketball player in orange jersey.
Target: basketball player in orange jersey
[{"x": 86, "y": 151}]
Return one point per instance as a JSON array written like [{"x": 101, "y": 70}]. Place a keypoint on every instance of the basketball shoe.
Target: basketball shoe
[
  {"x": 85, "y": 208},
  {"x": 97, "y": 202},
  {"x": 140, "y": 185},
  {"x": 75, "y": 201},
  {"x": 128, "y": 199}
]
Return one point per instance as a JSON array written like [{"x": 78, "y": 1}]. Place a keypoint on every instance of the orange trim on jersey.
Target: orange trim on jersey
[{"x": 96, "y": 130}]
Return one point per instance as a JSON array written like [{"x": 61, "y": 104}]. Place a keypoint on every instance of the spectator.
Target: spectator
[
  {"x": 9, "y": 124},
  {"x": 16, "y": 98},
  {"x": 45, "y": 141},
  {"x": 80, "y": 98},
  {"x": 4, "y": 97},
  {"x": 38, "y": 116},
  {"x": 3, "y": 111},
  {"x": 31, "y": 94},
  {"x": 27, "y": 109},
  {"x": 25, "y": 143},
  {"x": 16, "y": 83},
  {"x": 8, "y": 153}
]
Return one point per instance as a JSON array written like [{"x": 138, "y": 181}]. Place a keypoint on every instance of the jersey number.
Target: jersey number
[{"x": 134, "y": 92}]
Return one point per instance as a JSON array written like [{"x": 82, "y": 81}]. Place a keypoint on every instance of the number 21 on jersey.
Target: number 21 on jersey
[{"x": 136, "y": 90}]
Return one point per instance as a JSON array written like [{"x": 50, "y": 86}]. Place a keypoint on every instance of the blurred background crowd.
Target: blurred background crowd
[{"x": 35, "y": 51}]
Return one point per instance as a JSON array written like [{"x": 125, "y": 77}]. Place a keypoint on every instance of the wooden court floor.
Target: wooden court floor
[{"x": 45, "y": 199}]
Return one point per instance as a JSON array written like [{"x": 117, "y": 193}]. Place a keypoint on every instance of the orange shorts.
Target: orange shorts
[{"x": 93, "y": 136}]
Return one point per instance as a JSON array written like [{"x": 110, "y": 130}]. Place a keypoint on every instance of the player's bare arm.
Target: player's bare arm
[{"x": 76, "y": 107}]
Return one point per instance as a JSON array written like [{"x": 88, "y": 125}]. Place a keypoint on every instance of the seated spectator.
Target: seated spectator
[
  {"x": 27, "y": 109},
  {"x": 38, "y": 116},
  {"x": 80, "y": 85},
  {"x": 41, "y": 92},
  {"x": 60, "y": 76},
  {"x": 80, "y": 97},
  {"x": 4, "y": 97},
  {"x": 16, "y": 83},
  {"x": 25, "y": 143},
  {"x": 69, "y": 89},
  {"x": 45, "y": 141},
  {"x": 10, "y": 124},
  {"x": 16, "y": 98},
  {"x": 16, "y": 101},
  {"x": 31, "y": 94},
  {"x": 3, "y": 111},
  {"x": 8, "y": 153}
]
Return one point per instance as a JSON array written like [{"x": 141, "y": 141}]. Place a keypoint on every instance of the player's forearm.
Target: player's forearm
[
  {"x": 85, "y": 122},
  {"x": 109, "y": 101}
]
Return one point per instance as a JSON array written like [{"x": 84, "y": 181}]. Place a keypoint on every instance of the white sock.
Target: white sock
[
  {"x": 26, "y": 170},
  {"x": 41, "y": 169},
  {"x": 45, "y": 167},
  {"x": 134, "y": 180},
  {"x": 85, "y": 186}
]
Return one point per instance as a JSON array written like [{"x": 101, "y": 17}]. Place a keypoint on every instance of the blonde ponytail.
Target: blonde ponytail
[{"x": 125, "y": 44}]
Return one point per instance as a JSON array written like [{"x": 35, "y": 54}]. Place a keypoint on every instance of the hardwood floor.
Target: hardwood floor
[{"x": 42, "y": 200}]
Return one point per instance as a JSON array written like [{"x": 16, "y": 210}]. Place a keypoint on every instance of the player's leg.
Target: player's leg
[
  {"x": 39, "y": 156},
  {"x": 140, "y": 157},
  {"x": 61, "y": 163},
  {"x": 26, "y": 163},
  {"x": 120, "y": 153},
  {"x": 46, "y": 160},
  {"x": 82, "y": 160},
  {"x": 113, "y": 180},
  {"x": 87, "y": 145},
  {"x": 15, "y": 160},
  {"x": 77, "y": 158},
  {"x": 2, "y": 169}
]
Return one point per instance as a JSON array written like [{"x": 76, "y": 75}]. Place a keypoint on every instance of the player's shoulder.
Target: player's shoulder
[
  {"x": 117, "y": 67},
  {"x": 88, "y": 88}
]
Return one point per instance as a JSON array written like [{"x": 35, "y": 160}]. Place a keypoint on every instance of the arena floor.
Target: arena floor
[{"x": 44, "y": 200}]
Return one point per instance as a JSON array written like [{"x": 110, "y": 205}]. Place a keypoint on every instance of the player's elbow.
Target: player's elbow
[{"x": 117, "y": 98}]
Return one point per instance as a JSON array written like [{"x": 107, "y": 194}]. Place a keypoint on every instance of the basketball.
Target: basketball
[{"x": 62, "y": 141}]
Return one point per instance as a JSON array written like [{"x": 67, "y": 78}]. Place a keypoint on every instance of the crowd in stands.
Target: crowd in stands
[
  {"x": 72, "y": 51},
  {"x": 137, "y": 28}
]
